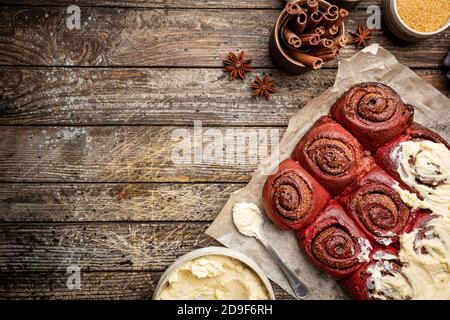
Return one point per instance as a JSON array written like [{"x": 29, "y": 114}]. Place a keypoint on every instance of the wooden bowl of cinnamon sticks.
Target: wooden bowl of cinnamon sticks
[{"x": 307, "y": 34}]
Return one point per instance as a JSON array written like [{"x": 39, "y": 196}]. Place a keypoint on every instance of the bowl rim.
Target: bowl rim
[
  {"x": 277, "y": 39},
  {"x": 208, "y": 251},
  {"x": 397, "y": 14}
]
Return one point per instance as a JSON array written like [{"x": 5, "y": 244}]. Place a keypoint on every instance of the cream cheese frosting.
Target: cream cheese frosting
[
  {"x": 366, "y": 248},
  {"x": 385, "y": 280},
  {"x": 424, "y": 254},
  {"x": 425, "y": 167},
  {"x": 214, "y": 277},
  {"x": 247, "y": 218}
]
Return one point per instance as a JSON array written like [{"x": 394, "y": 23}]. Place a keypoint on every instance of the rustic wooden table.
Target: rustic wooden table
[{"x": 87, "y": 116}]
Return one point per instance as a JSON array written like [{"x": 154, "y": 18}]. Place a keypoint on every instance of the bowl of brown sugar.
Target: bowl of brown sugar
[{"x": 414, "y": 20}]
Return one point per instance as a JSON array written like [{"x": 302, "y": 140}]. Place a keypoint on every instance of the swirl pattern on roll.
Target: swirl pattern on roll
[
  {"x": 332, "y": 155},
  {"x": 291, "y": 197},
  {"x": 335, "y": 248},
  {"x": 376, "y": 207},
  {"x": 373, "y": 113},
  {"x": 334, "y": 243}
]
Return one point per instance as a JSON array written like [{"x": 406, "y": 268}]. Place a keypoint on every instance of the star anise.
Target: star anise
[
  {"x": 361, "y": 35},
  {"x": 263, "y": 88},
  {"x": 237, "y": 66}
]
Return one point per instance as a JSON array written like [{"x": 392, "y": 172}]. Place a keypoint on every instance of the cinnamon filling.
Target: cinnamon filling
[
  {"x": 292, "y": 197},
  {"x": 331, "y": 156},
  {"x": 375, "y": 104},
  {"x": 336, "y": 248},
  {"x": 375, "y": 107},
  {"x": 380, "y": 209}
]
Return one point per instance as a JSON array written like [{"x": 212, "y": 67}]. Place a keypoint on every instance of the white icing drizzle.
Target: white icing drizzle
[
  {"x": 366, "y": 248},
  {"x": 386, "y": 282},
  {"x": 424, "y": 255}
]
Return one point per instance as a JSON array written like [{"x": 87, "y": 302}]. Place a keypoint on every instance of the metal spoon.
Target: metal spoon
[{"x": 300, "y": 290}]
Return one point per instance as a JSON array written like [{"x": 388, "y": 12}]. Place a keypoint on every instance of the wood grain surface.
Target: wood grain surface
[
  {"x": 98, "y": 246},
  {"x": 165, "y": 37},
  {"x": 89, "y": 119},
  {"x": 177, "y": 4},
  {"x": 167, "y": 96},
  {"x": 87, "y": 202},
  {"x": 127, "y": 154}
]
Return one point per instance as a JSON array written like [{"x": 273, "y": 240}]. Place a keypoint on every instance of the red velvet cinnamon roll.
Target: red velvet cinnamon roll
[
  {"x": 334, "y": 243},
  {"x": 365, "y": 283},
  {"x": 291, "y": 197},
  {"x": 332, "y": 155},
  {"x": 419, "y": 132},
  {"x": 373, "y": 113},
  {"x": 376, "y": 207},
  {"x": 386, "y": 157}
]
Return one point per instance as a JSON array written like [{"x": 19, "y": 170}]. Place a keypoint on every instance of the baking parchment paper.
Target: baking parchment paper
[{"x": 370, "y": 64}]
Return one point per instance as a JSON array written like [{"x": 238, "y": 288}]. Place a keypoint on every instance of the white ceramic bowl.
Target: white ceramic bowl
[
  {"x": 401, "y": 29},
  {"x": 221, "y": 251}
]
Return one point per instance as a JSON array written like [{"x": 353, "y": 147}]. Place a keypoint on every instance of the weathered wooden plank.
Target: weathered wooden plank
[
  {"x": 149, "y": 96},
  {"x": 97, "y": 246},
  {"x": 94, "y": 285},
  {"x": 182, "y": 4},
  {"x": 160, "y": 37},
  {"x": 34, "y": 258},
  {"x": 112, "y": 202},
  {"x": 132, "y": 154},
  {"x": 93, "y": 96}
]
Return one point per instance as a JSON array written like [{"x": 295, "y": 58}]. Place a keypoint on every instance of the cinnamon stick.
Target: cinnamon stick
[
  {"x": 326, "y": 43},
  {"x": 328, "y": 57},
  {"x": 292, "y": 38},
  {"x": 325, "y": 51},
  {"x": 342, "y": 15},
  {"x": 331, "y": 32},
  {"x": 320, "y": 31},
  {"x": 333, "y": 10},
  {"x": 314, "y": 19},
  {"x": 340, "y": 41},
  {"x": 326, "y": 54},
  {"x": 293, "y": 8},
  {"x": 310, "y": 39},
  {"x": 313, "y": 6},
  {"x": 330, "y": 19},
  {"x": 299, "y": 23},
  {"x": 308, "y": 60},
  {"x": 314, "y": 28}
]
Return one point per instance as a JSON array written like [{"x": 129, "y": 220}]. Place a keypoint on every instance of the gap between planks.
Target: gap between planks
[{"x": 113, "y": 38}]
